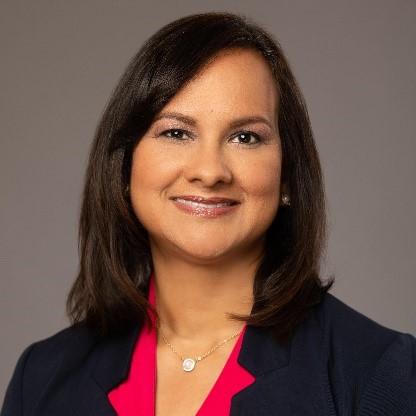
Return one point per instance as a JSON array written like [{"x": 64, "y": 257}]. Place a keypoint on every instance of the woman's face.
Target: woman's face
[{"x": 205, "y": 179}]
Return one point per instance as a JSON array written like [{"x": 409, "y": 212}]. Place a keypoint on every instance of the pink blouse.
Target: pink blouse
[{"x": 136, "y": 395}]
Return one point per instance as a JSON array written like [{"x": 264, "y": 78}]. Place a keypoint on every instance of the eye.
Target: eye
[
  {"x": 175, "y": 134},
  {"x": 246, "y": 137}
]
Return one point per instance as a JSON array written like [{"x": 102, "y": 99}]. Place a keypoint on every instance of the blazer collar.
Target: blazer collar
[
  {"x": 283, "y": 373},
  {"x": 114, "y": 360},
  {"x": 108, "y": 363},
  {"x": 290, "y": 379},
  {"x": 260, "y": 353}
]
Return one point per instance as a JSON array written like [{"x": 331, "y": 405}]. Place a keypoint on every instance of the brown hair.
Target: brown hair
[{"x": 109, "y": 293}]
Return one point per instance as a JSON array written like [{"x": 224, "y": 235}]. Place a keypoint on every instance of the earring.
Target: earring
[
  {"x": 285, "y": 200},
  {"x": 127, "y": 190}
]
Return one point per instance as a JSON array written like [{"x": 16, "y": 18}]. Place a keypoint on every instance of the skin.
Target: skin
[{"x": 216, "y": 141}]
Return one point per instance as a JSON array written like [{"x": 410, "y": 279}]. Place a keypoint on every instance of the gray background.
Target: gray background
[{"x": 356, "y": 63}]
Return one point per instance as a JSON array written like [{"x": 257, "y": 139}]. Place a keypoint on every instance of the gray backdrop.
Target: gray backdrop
[{"x": 356, "y": 63}]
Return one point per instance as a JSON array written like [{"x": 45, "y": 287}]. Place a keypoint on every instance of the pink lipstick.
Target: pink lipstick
[{"x": 211, "y": 207}]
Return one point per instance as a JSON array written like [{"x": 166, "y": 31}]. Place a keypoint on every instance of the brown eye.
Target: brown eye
[
  {"x": 246, "y": 138},
  {"x": 175, "y": 134}
]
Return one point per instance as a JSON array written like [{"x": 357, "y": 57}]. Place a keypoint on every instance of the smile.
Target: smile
[
  {"x": 212, "y": 207},
  {"x": 203, "y": 204}
]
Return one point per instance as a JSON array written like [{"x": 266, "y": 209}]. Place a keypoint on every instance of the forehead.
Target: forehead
[{"x": 236, "y": 80}]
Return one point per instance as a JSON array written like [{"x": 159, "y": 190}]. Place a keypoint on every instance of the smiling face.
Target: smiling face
[{"x": 205, "y": 179}]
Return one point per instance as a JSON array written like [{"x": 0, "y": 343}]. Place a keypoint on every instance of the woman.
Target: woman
[{"x": 201, "y": 232}]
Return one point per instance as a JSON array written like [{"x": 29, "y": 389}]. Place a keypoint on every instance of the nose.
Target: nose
[{"x": 208, "y": 165}]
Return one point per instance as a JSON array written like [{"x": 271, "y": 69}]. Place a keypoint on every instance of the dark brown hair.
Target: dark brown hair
[{"x": 109, "y": 293}]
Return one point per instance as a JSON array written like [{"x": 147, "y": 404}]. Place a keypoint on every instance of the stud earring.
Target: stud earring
[{"x": 285, "y": 200}]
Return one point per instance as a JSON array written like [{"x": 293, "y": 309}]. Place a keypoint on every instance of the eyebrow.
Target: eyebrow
[
  {"x": 177, "y": 116},
  {"x": 250, "y": 120},
  {"x": 234, "y": 124}
]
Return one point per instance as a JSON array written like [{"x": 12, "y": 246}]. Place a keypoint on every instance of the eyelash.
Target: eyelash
[
  {"x": 168, "y": 133},
  {"x": 185, "y": 135},
  {"x": 249, "y": 134}
]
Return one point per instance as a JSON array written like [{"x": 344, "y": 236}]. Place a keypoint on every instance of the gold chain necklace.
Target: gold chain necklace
[{"x": 188, "y": 364}]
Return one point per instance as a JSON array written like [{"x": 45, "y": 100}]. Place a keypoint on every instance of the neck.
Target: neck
[{"x": 194, "y": 300}]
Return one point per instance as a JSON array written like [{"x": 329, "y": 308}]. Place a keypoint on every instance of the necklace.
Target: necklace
[{"x": 188, "y": 364}]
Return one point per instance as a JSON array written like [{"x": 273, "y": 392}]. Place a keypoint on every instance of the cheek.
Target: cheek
[
  {"x": 144, "y": 180},
  {"x": 262, "y": 180},
  {"x": 152, "y": 168},
  {"x": 262, "y": 189}
]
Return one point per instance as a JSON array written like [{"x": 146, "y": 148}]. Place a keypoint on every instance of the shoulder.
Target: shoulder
[
  {"x": 71, "y": 344},
  {"x": 348, "y": 328},
  {"x": 76, "y": 340},
  {"x": 69, "y": 373},
  {"x": 39, "y": 363},
  {"x": 370, "y": 367}
]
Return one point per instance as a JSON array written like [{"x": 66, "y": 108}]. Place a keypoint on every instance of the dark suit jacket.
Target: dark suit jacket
[{"x": 338, "y": 363}]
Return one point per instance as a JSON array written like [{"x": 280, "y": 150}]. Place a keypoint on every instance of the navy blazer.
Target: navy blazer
[{"x": 338, "y": 363}]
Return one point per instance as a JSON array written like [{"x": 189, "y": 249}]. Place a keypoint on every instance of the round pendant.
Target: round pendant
[{"x": 188, "y": 364}]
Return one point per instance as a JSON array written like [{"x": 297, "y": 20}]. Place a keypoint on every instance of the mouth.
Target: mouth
[
  {"x": 208, "y": 207},
  {"x": 206, "y": 203}
]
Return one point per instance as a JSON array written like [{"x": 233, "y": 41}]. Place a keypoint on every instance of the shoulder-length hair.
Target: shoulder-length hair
[{"x": 109, "y": 293}]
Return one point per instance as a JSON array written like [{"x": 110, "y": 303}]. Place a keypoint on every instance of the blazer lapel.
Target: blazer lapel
[
  {"x": 290, "y": 379},
  {"x": 114, "y": 360},
  {"x": 113, "y": 365},
  {"x": 81, "y": 390},
  {"x": 260, "y": 355}
]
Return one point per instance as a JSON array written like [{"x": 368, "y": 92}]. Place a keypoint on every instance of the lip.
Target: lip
[{"x": 212, "y": 207}]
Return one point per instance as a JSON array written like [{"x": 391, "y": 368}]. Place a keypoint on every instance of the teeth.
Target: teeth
[{"x": 201, "y": 204}]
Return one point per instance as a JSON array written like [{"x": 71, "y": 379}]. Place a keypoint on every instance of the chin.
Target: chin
[
  {"x": 200, "y": 253},
  {"x": 206, "y": 255}
]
